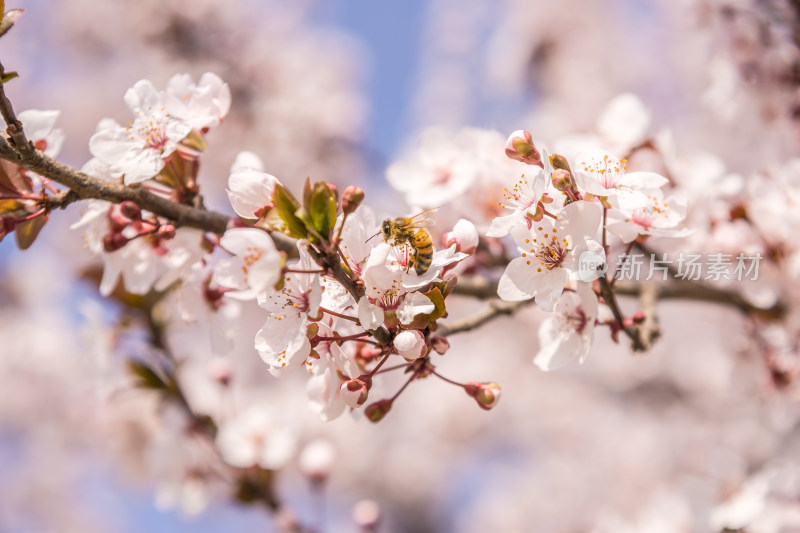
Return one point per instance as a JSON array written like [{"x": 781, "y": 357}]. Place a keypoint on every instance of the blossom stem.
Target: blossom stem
[
  {"x": 379, "y": 365},
  {"x": 605, "y": 232},
  {"x": 391, "y": 368},
  {"x": 32, "y": 216},
  {"x": 19, "y": 197},
  {"x": 448, "y": 380},
  {"x": 355, "y": 336},
  {"x": 293, "y": 271},
  {"x": 406, "y": 384},
  {"x": 334, "y": 313},
  {"x": 49, "y": 186},
  {"x": 339, "y": 233},
  {"x": 639, "y": 344}
]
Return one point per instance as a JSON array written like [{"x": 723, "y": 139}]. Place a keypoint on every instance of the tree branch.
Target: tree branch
[
  {"x": 494, "y": 309},
  {"x": 83, "y": 186}
]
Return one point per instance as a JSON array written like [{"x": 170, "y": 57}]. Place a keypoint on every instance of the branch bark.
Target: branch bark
[
  {"x": 494, "y": 309},
  {"x": 83, "y": 186}
]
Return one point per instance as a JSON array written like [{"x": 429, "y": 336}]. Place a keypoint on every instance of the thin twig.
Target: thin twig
[{"x": 634, "y": 333}]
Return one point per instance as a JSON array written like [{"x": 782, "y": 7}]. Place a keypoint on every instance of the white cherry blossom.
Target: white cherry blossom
[
  {"x": 39, "y": 126},
  {"x": 255, "y": 438},
  {"x": 201, "y": 105},
  {"x": 138, "y": 150},
  {"x": 522, "y": 199},
  {"x": 282, "y": 342},
  {"x": 659, "y": 217},
  {"x": 550, "y": 254},
  {"x": 250, "y": 191},
  {"x": 255, "y": 266},
  {"x": 566, "y": 335},
  {"x": 603, "y": 175}
]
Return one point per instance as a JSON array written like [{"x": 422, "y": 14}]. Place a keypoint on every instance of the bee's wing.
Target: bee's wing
[{"x": 425, "y": 219}]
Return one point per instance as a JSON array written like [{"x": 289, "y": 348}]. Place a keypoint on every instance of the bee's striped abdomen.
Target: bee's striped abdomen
[{"x": 423, "y": 247}]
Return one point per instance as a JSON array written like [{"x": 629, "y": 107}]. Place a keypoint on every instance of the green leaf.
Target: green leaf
[
  {"x": 303, "y": 214},
  {"x": 438, "y": 301},
  {"x": 9, "y": 18},
  {"x": 322, "y": 207},
  {"x": 282, "y": 217},
  {"x": 439, "y": 310},
  {"x": 29, "y": 230}
]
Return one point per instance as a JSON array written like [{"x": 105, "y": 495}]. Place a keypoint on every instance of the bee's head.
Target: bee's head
[{"x": 386, "y": 229}]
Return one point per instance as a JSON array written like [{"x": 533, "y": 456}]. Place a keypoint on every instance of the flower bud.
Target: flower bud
[
  {"x": 117, "y": 221},
  {"x": 113, "y": 241},
  {"x": 167, "y": 231},
  {"x": 486, "y": 394},
  {"x": 639, "y": 317},
  {"x": 351, "y": 199},
  {"x": 131, "y": 210},
  {"x": 464, "y": 236},
  {"x": 334, "y": 189},
  {"x": 519, "y": 147},
  {"x": 410, "y": 344},
  {"x": 354, "y": 392},
  {"x": 366, "y": 514},
  {"x": 316, "y": 460},
  {"x": 561, "y": 179},
  {"x": 376, "y": 411},
  {"x": 440, "y": 345}
]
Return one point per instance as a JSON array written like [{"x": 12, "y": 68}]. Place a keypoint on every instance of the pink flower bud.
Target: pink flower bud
[
  {"x": 486, "y": 394},
  {"x": 561, "y": 179},
  {"x": 316, "y": 460},
  {"x": 376, "y": 411},
  {"x": 464, "y": 236},
  {"x": 519, "y": 147},
  {"x": 113, "y": 241},
  {"x": 354, "y": 392},
  {"x": 167, "y": 231},
  {"x": 440, "y": 345},
  {"x": 131, "y": 210},
  {"x": 117, "y": 221},
  {"x": 334, "y": 189},
  {"x": 410, "y": 344},
  {"x": 351, "y": 199},
  {"x": 366, "y": 514}
]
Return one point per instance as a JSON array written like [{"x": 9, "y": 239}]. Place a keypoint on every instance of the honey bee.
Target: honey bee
[{"x": 411, "y": 231}]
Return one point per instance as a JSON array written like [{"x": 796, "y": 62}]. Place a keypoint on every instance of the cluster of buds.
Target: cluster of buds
[{"x": 125, "y": 223}]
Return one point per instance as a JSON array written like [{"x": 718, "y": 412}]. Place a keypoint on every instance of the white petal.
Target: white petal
[{"x": 370, "y": 316}]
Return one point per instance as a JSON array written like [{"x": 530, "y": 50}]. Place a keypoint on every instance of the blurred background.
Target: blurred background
[{"x": 692, "y": 436}]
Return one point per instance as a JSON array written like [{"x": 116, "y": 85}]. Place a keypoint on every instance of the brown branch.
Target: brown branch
[
  {"x": 679, "y": 289},
  {"x": 83, "y": 186},
  {"x": 700, "y": 292},
  {"x": 494, "y": 309}
]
